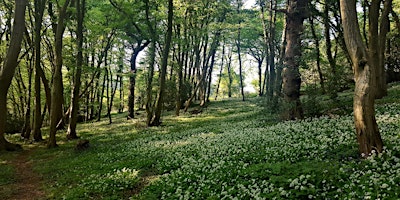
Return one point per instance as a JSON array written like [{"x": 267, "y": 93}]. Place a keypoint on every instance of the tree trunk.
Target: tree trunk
[
  {"x": 26, "y": 131},
  {"x": 296, "y": 13},
  {"x": 73, "y": 117},
  {"x": 56, "y": 90},
  {"x": 272, "y": 45},
  {"x": 365, "y": 65},
  {"x": 318, "y": 55},
  {"x": 164, "y": 62},
  {"x": 239, "y": 53},
  {"x": 220, "y": 71},
  {"x": 333, "y": 86},
  {"x": 8, "y": 69}
]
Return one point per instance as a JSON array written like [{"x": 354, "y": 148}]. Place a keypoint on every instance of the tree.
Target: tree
[
  {"x": 367, "y": 61},
  {"x": 295, "y": 14},
  {"x": 164, "y": 62},
  {"x": 39, "y": 10},
  {"x": 238, "y": 8},
  {"x": 73, "y": 117},
  {"x": 56, "y": 90},
  {"x": 8, "y": 68}
]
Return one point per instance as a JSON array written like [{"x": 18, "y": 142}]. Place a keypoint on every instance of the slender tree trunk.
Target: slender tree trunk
[
  {"x": 238, "y": 45},
  {"x": 295, "y": 15},
  {"x": 318, "y": 55},
  {"x": 365, "y": 65},
  {"x": 26, "y": 131},
  {"x": 220, "y": 71},
  {"x": 57, "y": 96},
  {"x": 271, "y": 45},
  {"x": 164, "y": 62},
  {"x": 331, "y": 60},
  {"x": 73, "y": 117},
  {"x": 230, "y": 74},
  {"x": 8, "y": 68},
  {"x": 103, "y": 88}
]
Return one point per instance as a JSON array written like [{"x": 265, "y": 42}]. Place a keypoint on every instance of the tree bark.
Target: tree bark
[
  {"x": 296, "y": 13},
  {"x": 132, "y": 78},
  {"x": 331, "y": 60},
  {"x": 239, "y": 53},
  {"x": 164, "y": 62},
  {"x": 365, "y": 64},
  {"x": 8, "y": 69},
  {"x": 318, "y": 55},
  {"x": 73, "y": 117},
  {"x": 57, "y": 88}
]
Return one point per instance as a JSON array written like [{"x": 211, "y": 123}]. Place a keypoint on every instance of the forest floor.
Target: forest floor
[
  {"x": 231, "y": 150},
  {"x": 27, "y": 184}
]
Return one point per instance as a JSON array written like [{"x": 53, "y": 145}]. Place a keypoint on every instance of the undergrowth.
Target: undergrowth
[{"x": 232, "y": 150}]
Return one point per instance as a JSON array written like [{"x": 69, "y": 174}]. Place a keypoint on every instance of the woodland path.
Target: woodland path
[{"x": 28, "y": 184}]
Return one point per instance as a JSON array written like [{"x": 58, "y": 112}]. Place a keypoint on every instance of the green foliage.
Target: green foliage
[
  {"x": 14, "y": 124},
  {"x": 232, "y": 150}
]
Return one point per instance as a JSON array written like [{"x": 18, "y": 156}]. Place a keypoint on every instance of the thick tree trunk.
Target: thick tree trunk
[
  {"x": 57, "y": 96},
  {"x": 73, "y": 117},
  {"x": 8, "y": 68},
  {"x": 296, "y": 13},
  {"x": 164, "y": 62},
  {"x": 365, "y": 66}
]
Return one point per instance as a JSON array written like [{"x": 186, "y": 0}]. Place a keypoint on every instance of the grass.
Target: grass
[{"x": 233, "y": 150}]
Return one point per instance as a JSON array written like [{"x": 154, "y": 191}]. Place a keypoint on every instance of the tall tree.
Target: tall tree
[
  {"x": 367, "y": 61},
  {"x": 164, "y": 62},
  {"x": 295, "y": 14},
  {"x": 8, "y": 68},
  {"x": 57, "y": 88},
  {"x": 73, "y": 117},
  {"x": 238, "y": 41},
  {"x": 37, "y": 120}
]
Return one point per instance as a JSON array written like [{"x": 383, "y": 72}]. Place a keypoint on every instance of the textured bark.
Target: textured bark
[
  {"x": 296, "y": 13},
  {"x": 8, "y": 69},
  {"x": 73, "y": 117},
  {"x": 365, "y": 65}
]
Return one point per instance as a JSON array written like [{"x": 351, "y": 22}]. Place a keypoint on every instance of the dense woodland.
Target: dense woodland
[
  {"x": 64, "y": 62},
  {"x": 76, "y": 60}
]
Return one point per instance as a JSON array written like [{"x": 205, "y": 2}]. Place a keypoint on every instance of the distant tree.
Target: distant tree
[
  {"x": 367, "y": 63},
  {"x": 8, "y": 68}
]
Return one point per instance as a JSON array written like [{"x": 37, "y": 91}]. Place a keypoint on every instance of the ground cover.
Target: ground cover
[{"x": 232, "y": 150}]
